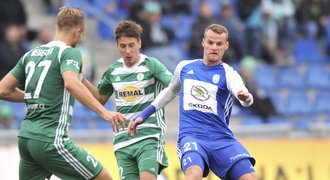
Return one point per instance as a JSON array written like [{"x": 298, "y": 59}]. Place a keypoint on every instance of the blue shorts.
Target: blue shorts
[{"x": 219, "y": 155}]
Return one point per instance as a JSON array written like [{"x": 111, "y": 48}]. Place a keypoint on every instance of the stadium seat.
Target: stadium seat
[
  {"x": 298, "y": 103},
  {"x": 306, "y": 51},
  {"x": 251, "y": 120},
  {"x": 303, "y": 123},
  {"x": 290, "y": 77},
  {"x": 278, "y": 120},
  {"x": 265, "y": 77},
  {"x": 317, "y": 77},
  {"x": 181, "y": 25},
  {"x": 278, "y": 101},
  {"x": 322, "y": 102}
]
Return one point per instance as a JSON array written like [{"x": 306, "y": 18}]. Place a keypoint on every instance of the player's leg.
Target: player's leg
[
  {"x": 128, "y": 168},
  {"x": 192, "y": 166},
  {"x": 66, "y": 160},
  {"x": 228, "y": 154},
  {"x": 242, "y": 170},
  {"x": 104, "y": 175},
  {"x": 28, "y": 167},
  {"x": 193, "y": 158},
  {"x": 151, "y": 158}
]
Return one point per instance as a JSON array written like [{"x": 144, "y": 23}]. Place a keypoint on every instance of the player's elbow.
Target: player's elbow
[
  {"x": 4, "y": 93},
  {"x": 69, "y": 85}
]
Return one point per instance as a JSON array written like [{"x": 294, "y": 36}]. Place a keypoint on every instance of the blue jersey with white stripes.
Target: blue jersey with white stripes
[{"x": 206, "y": 99}]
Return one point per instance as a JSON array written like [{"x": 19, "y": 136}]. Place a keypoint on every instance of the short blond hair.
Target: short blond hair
[
  {"x": 217, "y": 28},
  {"x": 68, "y": 18}
]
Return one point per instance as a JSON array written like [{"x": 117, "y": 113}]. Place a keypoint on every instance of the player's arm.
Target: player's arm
[
  {"x": 9, "y": 90},
  {"x": 95, "y": 92},
  {"x": 82, "y": 94},
  {"x": 160, "y": 72},
  {"x": 236, "y": 86},
  {"x": 164, "y": 97}
]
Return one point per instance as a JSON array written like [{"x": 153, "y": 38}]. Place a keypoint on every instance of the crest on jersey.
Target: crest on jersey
[
  {"x": 199, "y": 93},
  {"x": 130, "y": 93},
  {"x": 216, "y": 78},
  {"x": 140, "y": 76}
]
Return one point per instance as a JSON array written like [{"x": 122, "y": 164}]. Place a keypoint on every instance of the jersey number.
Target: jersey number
[
  {"x": 188, "y": 146},
  {"x": 90, "y": 158},
  {"x": 30, "y": 69}
]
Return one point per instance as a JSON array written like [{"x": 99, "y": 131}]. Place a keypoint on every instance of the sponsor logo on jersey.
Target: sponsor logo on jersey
[
  {"x": 130, "y": 93},
  {"x": 216, "y": 78},
  {"x": 199, "y": 93},
  {"x": 140, "y": 76},
  {"x": 73, "y": 62},
  {"x": 199, "y": 106}
]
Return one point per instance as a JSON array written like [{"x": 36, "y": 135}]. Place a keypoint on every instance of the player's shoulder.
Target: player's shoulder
[
  {"x": 149, "y": 60},
  {"x": 184, "y": 63},
  {"x": 227, "y": 67}
]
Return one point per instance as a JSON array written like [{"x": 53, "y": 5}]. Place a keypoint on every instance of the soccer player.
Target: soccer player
[
  {"x": 206, "y": 87},
  {"x": 50, "y": 73},
  {"x": 135, "y": 80}
]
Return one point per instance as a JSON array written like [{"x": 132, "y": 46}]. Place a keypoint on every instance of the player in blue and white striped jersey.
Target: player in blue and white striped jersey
[{"x": 207, "y": 87}]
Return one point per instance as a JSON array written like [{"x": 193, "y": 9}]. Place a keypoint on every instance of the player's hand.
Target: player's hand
[
  {"x": 132, "y": 126},
  {"x": 114, "y": 118},
  {"x": 244, "y": 96}
]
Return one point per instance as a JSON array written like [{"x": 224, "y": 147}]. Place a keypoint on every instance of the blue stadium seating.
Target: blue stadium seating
[
  {"x": 251, "y": 120},
  {"x": 181, "y": 23},
  {"x": 298, "y": 103},
  {"x": 322, "y": 102},
  {"x": 290, "y": 77},
  {"x": 307, "y": 51},
  {"x": 317, "y": 77},
  {"x": 278, "y": 101},
  {"x": 277, "y": 120},
  {"x": 302, "y": 123},
  {"x": 265, "y": 77}
]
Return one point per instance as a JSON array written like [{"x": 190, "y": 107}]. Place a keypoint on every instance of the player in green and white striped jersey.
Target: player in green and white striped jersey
[
  {"x": 135, "y": 80},
  {"x": 51, "y": 73}
]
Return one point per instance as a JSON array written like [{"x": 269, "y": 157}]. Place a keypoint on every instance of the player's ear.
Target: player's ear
[
  {"x": 227, "y": 45},
  {"x": 139, "y": 42},
  {"x": 203, "y": 42}
]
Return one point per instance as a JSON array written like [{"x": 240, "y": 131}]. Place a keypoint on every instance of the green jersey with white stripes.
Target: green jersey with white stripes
[
  {"x": 49, "y": 105},
  {"x": 134, "y": 88}
]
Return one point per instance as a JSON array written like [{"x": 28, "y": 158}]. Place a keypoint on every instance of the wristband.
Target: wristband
[{"x": 146, "y": 113}]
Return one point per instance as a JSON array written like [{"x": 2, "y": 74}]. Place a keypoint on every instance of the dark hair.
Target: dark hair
[
  {"x": 217, "y": 28},
  {"x": 128, "y": 28},
  {"x": 70, "y": 17}
]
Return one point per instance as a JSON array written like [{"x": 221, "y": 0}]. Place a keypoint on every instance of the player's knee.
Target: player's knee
[
  {"x": 242, "y": 170},
  {"x": 104, "y": 175},
  {"x": 249, "y": 176},
  {"x": 147, "y": 176},
  {"x": 194, "y": 173}
]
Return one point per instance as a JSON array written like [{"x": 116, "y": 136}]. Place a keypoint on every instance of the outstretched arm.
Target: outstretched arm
[
  {"x": 95, "y": 91},
  {"x": 82, "y": 94},
  {"x": 164, "y": 97},
  {"x": 236, "y": 86},
  {"x": 9, "y": 90}
]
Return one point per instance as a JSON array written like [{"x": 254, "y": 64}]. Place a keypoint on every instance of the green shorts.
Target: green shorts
[
  {"x": 144, "y": 156},
  {"x": 39, "y": 160}
]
